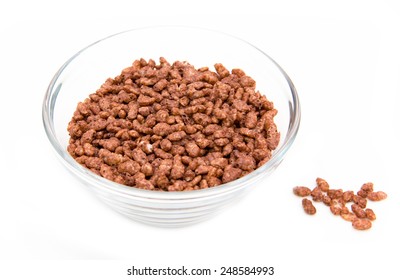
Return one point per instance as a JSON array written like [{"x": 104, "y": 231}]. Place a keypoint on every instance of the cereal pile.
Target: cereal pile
[
  {"x": 336, "y": 199},
  {"x": 172, "y": 127}
]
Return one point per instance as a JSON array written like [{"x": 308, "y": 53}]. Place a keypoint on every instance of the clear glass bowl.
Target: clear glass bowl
[{"x": 83, "y": 74}]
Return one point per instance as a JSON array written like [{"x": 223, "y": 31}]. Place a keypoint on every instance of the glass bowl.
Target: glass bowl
[{"x": 84, "y": 72}]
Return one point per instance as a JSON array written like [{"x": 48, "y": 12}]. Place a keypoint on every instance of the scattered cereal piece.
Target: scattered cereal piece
[
  {"x": 335, "y": 194},
  {"x": 335, "y": 209},
  {"x": 322, "y": 184},
  {"x": 377, "y": 196},
  {"x": 362, "y": 193},
  {"x": 327, "y": 200},
  {"x": 348, "y": 196},
  {"x": 370, "y": 214},
  {"x": 301, "y": 191},
  {"x": 349, "y": 217},
  {"x": 368, "y": 187},
  {"x": 309, "y": 207},
  {"x": 360, "y": 213},
  {"x": 317, "y": 194},
  {"x": 361, "y": 224},
  {"x": 362, "y": 202}
]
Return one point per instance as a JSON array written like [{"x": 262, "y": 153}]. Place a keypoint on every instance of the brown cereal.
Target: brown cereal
[
  {"x": 368, "y": 187},
  {"x": 147, "y": 169},
  {"x": 336, "y": 200},
  {"x": 308, "y": 207},
  {"x": 335, "y": 194},
  {"x": 350, "y": 217},
  {"x": 362, "y": 193},
  {"x": 377, "y": 196},
  {"x": 360, "y": 201},
  {"x": 344, "y": 209},
  {"x": 317, "y": 194},
  {"x": 301, "y": 191},
  {"x": 170, "y": 127},
  {"x": 165, "y": 145},
  {"x": 322, "y": 184},
  {"x": 327, "y": 200},
  {"x": 231, "y": 173},
  {"x": 335, "y": 209},
  {"x": 370, "y": 214},
  {"x": 348, "y": 196},
  {"x": 360, "y": 213},
  {"x": 361, "y": 224}
]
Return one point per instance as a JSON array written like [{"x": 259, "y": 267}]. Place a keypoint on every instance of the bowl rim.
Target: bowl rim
[{"x": 85, "y": 174}]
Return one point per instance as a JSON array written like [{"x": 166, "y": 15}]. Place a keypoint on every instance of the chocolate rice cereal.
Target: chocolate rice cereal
[
  {"x": 336, "y": 199},
  {"x": 171, "y": 127}
]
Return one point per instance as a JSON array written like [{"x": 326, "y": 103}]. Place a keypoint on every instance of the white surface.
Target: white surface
[{"x": 344, "y": 60}]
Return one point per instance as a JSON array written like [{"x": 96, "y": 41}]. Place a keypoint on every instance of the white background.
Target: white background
[{"x": 344, "y": 59}]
